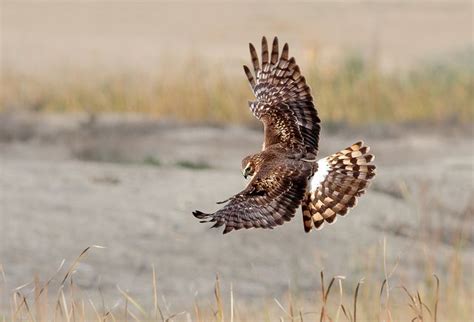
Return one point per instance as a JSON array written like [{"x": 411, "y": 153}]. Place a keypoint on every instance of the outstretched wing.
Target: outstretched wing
[
  {"x": 270, "y": 199},
  {"x": 284, "y": 103}
]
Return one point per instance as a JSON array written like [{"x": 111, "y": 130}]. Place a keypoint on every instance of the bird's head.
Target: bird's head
[{"x": 250, "y": 165}]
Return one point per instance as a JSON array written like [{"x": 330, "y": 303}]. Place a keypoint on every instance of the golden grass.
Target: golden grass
[
  {"x": 432, "y": 300},
  {"x": 354, "y": 92}
]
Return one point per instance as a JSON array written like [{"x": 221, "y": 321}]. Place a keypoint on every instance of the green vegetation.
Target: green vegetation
[
  {"x": 354, "y": 92},
  {"x": 153, "y": 161},
  {"x": 200, "y": 165},
  {"x": 359, "y": 93},
  {"x": 185, "y": 164}
]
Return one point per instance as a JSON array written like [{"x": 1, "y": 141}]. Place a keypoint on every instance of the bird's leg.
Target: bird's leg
[
  {"x": 310, "y": 157},
  {"x": 309, "y": 160}
]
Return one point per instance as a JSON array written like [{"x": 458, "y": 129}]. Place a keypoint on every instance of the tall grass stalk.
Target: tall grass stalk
[
  {"x": 69, "y": 305},
  {"x": 353, "y": 91}
]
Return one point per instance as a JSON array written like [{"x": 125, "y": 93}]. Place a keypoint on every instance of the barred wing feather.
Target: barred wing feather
[{"x": 279, "y": 87}]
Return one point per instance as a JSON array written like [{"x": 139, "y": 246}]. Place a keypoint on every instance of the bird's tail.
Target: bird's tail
[{"x": 334, "y": 188}]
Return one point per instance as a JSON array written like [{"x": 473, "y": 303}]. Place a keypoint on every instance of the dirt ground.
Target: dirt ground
[
  {"x": 130, "y": 184},
  {"x": 38, "y": 37}
]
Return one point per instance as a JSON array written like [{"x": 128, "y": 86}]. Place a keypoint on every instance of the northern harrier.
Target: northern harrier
[{"x": 286, "y": 173}]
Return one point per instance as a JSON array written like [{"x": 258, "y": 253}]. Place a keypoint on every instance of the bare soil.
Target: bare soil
[
  {"x": 130, "y": 184},
  {"x": 38, "y": 37}
]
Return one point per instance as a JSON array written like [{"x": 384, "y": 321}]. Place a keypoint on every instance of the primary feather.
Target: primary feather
[
  {"x": 281, "y": 90},
  {"x": 285, "y": 173}
]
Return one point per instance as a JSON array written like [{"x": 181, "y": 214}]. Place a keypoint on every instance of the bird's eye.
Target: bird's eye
[{"x": 248, "y": 171}]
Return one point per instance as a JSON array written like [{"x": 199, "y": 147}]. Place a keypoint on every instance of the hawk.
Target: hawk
[{"x": 286, "y": 174}]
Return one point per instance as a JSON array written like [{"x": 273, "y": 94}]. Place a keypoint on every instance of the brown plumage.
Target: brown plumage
[
  {"x": 341, "y": 178},
  {"x": 285, "y": 173}
]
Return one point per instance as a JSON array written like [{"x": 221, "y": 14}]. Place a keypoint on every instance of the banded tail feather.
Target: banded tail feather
[{"x": 334, "y": 188}]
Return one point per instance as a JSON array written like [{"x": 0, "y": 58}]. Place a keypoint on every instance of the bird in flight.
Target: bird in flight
[{"x": 286, "y": 174}]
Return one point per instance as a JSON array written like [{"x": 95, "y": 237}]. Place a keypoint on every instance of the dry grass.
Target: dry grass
[
  {"x": 60, "y": 299},
  {"x": 354, "y": 91},
  {"x": 441, "y": 293}
]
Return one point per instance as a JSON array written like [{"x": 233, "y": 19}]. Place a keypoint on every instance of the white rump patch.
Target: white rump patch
[{"x": 320, "y": 175}]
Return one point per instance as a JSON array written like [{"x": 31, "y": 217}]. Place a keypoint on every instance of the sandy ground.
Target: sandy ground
[
  {"x": 130, "y": 184},
  {"x": 41, "y": 36},
  {"x": 67, "y": 183}
]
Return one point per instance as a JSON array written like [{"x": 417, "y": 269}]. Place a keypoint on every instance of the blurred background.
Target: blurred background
[{"x": 118, "y": 119}]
